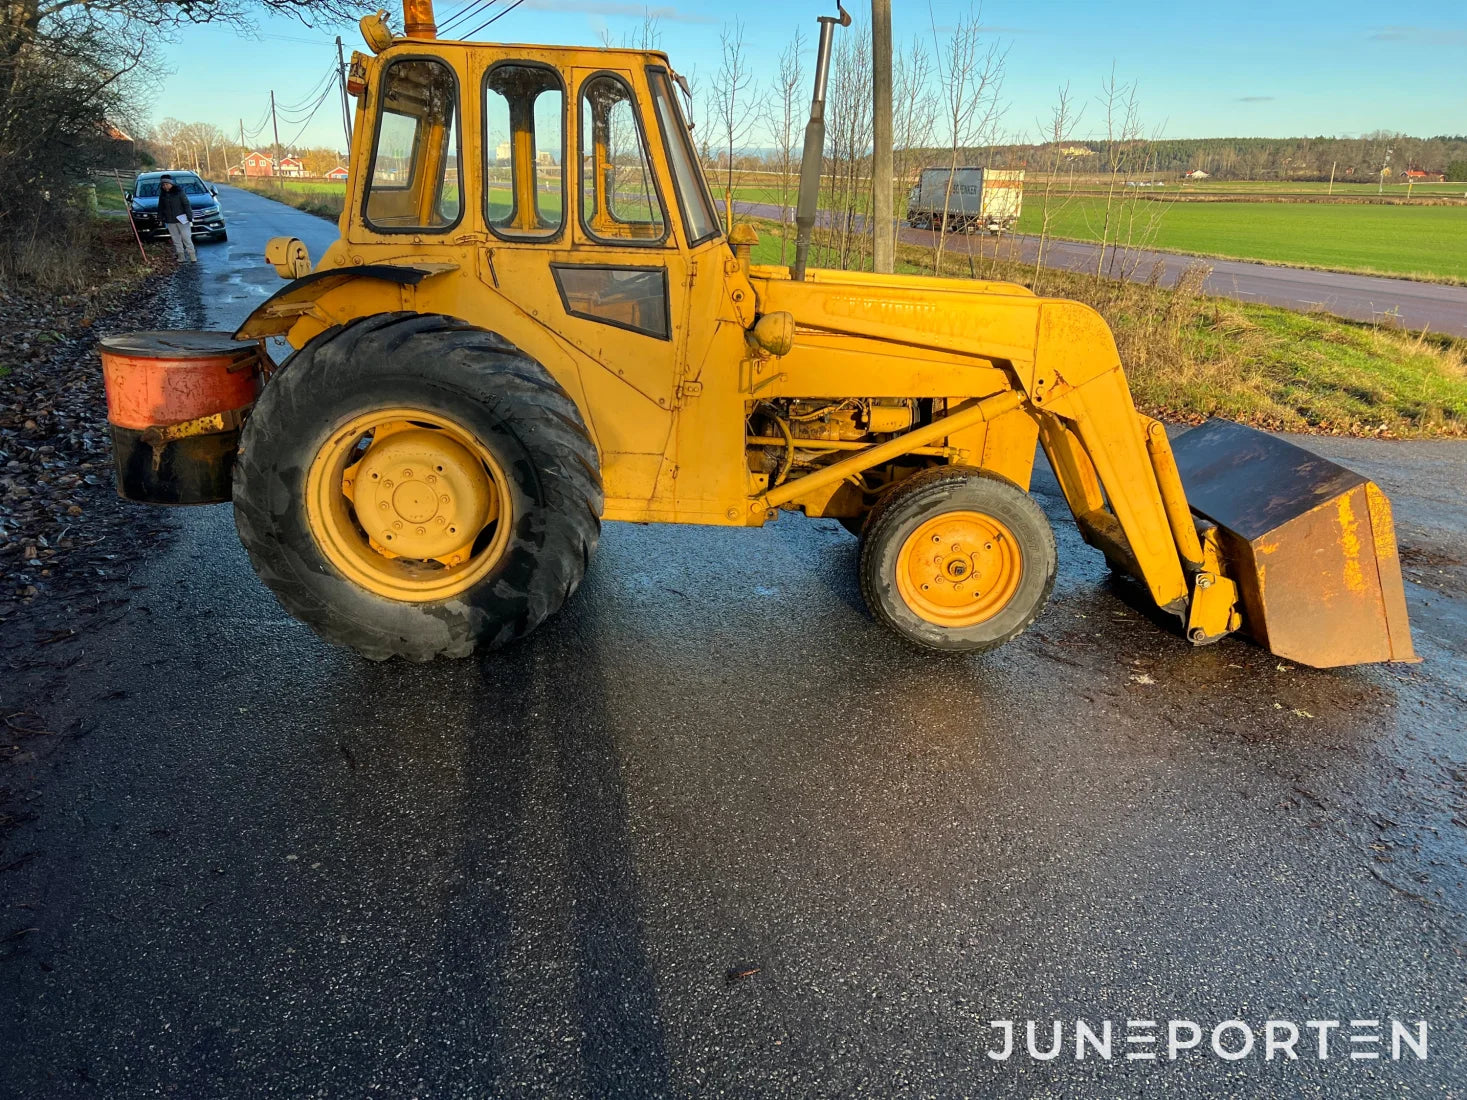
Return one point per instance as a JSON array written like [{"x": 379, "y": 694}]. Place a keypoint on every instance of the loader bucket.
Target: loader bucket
[{"x": 1309, "y": 543}]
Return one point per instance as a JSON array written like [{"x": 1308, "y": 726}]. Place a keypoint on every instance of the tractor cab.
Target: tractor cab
[{"x": 565, "y": 147}]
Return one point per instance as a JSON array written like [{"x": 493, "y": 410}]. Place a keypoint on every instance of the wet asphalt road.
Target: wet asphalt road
[
  {"x": 1413, "y": 305},
  {"x": 711, "y": 831}
]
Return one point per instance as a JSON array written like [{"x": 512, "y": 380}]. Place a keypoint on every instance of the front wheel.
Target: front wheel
[
  {"x": 957, "y": 559},
  {"x": 410, "y": 485}
]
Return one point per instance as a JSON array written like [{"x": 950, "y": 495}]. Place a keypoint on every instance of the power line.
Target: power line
[
  {"x": 468, "y": 11},
  {"x": 257, "y": 129},
  {"x": 309, "y": 97},
  {"x": 496, "y": 19},
  {"x": 325, "y": 94}
]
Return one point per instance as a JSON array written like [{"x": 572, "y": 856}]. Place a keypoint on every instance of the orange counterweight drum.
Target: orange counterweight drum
[{"x": 175, "y": 402}]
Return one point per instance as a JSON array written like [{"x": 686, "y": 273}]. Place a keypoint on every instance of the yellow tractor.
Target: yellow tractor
[{"x": 534, "y": 320}]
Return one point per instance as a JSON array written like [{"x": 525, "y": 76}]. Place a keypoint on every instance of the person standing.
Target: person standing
[{"x": 177, "y": 214}]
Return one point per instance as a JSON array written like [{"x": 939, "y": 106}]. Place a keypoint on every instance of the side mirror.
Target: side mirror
[
  {"x": 214, "y": 191},
  {"x": 127, "y": 195}
]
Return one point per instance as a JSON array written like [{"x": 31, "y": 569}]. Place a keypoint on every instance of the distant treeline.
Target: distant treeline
[{"x": 1303, "y": 158}]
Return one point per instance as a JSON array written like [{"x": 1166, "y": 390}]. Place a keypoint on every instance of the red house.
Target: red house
[
  {"x": 258, "y": 164},
  {"x": 1420, "y": 175},
  {"x": 337, "y": 174},
  {"x": 291, "y": 166}
]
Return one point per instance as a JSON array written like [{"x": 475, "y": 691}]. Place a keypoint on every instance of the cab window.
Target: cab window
[
  {"x": 414, "y": 182},
  {"x": 692, "y": 189},
  {"x": 524, "y": 110},
  {"x": 619, "y": 199}
]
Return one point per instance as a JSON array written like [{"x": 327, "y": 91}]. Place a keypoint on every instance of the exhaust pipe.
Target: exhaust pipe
[{"x": 810, "y": 161}]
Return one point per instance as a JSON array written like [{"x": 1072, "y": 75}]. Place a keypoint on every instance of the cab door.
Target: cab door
[{"x": 583, "y": 240}]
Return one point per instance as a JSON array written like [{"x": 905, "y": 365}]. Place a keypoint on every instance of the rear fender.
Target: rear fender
[{"x": 300, "y": 300}]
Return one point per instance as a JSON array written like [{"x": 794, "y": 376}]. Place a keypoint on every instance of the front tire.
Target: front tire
[
  {"x": 957, "y": 559},
  {"x": 409, "y": 485}
]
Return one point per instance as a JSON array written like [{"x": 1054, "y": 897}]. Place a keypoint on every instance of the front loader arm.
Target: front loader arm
[
  {"x": 1065, "y": 371},
  {"x": 1295, "y": 550}
]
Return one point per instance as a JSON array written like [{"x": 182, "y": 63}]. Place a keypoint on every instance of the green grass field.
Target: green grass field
[
  {"x": 305, "y": 187},
  {"x": 1424, "y": 241},
  {"x": 109, "y": 193}
]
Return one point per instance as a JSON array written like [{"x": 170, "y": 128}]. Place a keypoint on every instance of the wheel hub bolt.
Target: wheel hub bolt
[
  {"x": 383, "y": 505},
  {"x": 387, "y": 483},
  {"x": 397, "y": 525},
  {"x": 407, "y": 475},
  {"x": 422, "y": 530}
]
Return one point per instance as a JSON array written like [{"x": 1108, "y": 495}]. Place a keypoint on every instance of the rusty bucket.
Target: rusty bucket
[
  {"x": 175, "y": 403},
  {"x": 1310, "y": 544}
]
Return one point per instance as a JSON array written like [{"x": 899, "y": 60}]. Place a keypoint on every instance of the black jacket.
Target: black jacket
[{"x": 173, "y": 203}]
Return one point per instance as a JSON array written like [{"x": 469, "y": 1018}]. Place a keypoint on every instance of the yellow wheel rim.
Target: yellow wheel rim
[
  {"x": 408, "y": 504},
  {"x": 959, "y": 569}
]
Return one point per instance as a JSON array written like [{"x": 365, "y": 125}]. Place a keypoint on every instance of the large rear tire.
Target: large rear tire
[
  {"x": 409, "y": 485},
  {"x": 957, "y": 559}
]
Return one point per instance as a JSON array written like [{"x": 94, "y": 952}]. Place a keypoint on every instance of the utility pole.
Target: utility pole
[
  {"x": 341, "y": 77},
  {"x": 275, "y": 125},
  {"x": 1332, "y": 168},
  {"x": 883, "y": 245},
  {"x": 243, "y": 151}
]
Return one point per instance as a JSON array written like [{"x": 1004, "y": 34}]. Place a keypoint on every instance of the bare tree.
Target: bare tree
[
  {"x": 970, "y": 77},
  {"x": 915, "y": 108},
  {"x": 1122, "y": 133},
  {"x": 1062, "y": 122},
  {"x": 733, "y": 98},
  {"x": 848, "y": 146},
  {"x": 783, "y": 117}
]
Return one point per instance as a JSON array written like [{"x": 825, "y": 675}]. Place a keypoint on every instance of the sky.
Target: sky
[{"x": 1204, "y": 70}]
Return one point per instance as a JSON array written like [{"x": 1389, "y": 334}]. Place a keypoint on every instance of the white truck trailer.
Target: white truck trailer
[{"x": 978, "y": 198}]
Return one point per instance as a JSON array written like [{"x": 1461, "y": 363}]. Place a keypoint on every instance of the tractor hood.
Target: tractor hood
[{"x": 947, "y": 314}]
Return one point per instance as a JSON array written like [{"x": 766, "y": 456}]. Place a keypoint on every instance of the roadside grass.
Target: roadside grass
[
  {"x": 1425, "y": 242},
  {"x": 72, "y": 253},
  {"x": 323, "y": 198},
  {"x": 1189, "y": 356},
  {"x": 109, "y": 193}
]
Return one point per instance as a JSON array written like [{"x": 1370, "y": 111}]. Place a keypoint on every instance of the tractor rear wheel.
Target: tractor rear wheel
[
  {"x": 412, "y": 486},
  {"x": 957, "y": 559}
]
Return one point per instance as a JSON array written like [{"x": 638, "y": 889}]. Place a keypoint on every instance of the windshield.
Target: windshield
[
  {"x": 702, "y": 222},
  {"x": 189, "y": 185}
]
